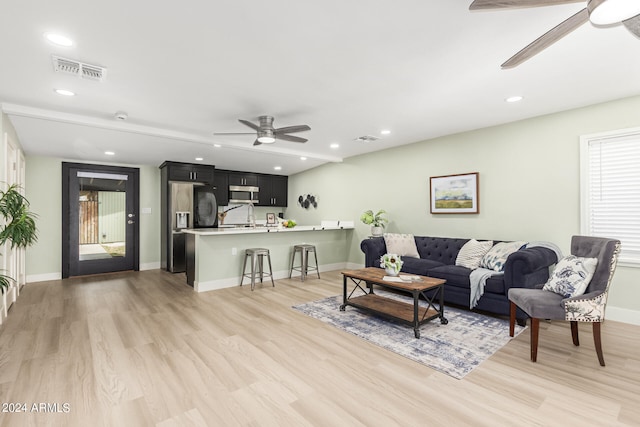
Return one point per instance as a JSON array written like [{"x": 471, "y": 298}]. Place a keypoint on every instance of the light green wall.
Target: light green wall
[
  {"x": 529, "y": 184},
  {"x": 44, "y": 191}
]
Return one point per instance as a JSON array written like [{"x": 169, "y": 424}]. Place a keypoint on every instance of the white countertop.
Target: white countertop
[{"x": 249, "y": 230}]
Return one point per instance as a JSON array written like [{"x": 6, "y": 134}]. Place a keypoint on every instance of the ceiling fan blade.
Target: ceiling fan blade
[
  {"x": 633, "y": 25},
  {"x": 256, "y": 142},
  {"x": 547, "y": 39},
  {"x": 248, "y": 123},
  {"x": 292, "y": 129},
  {"x": 513, "y": 4},
  {"x": 234, "y": 133},
  {"x": 290, "y": 138}
]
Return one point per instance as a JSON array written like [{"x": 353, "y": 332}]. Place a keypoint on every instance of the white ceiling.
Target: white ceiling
[{"x": 420, "y": 68}]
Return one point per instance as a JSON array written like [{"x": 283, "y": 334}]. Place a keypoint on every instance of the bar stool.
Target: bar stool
[
  {"x": 257, "y": 257},
  {"x": 304, "y": 266}
]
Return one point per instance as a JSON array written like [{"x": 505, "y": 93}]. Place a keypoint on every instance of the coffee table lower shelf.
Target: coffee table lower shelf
[{"x": 391, "y": 308}]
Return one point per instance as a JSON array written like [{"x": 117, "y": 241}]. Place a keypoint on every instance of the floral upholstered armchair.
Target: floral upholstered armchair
[{"x": 576, "y": 291}]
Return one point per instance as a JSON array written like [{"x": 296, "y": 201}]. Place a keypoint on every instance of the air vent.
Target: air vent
[
  {"x": 80, "y": 69},
  {"x": 367, "y": 138}
]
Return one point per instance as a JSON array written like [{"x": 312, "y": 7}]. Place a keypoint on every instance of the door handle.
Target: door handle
[
  {"x": 131, "y": 215},
  {"x": 131, "y": 222}
]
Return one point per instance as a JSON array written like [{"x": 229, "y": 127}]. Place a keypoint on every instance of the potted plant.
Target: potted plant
[
  {"x": 19, "y": 226},
  {"x": 377, "y": 221}
]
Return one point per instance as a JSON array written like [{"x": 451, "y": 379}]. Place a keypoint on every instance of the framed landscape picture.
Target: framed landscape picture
[{"x": 455, "y": 194}]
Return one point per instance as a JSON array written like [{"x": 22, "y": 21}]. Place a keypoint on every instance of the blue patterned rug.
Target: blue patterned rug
[{"x": 454, "y": 349}]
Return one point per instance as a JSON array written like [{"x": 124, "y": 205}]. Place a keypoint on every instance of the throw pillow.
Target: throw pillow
[
  {"x": 472, "y": 253},
  {"x": 401, "y": 244},
  {"x": 497, "y": 255},
  {"x": 571, "y": 276}
]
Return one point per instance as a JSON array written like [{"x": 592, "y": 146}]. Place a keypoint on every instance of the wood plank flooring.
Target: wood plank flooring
[{"x": 143, "y": 349}]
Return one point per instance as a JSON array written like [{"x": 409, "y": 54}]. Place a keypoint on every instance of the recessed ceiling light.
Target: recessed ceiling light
[
  {"x": 514, "y": 98},
  {"x": 334, "y": 146},
  {"x": 109, "y": 153},
  {"x": 278, "y": 168},
  {"x": 199, "y": 159},
  {"x": 58, "y": 39},
  {"x": 217, "y": 145},
  {"x": 64, "y": 92},
  {"x": 385, "y": 132},
  {"x": 303, "y": 158}
]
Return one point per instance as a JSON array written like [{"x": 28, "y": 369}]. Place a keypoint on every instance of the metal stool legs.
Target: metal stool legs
[
  {"x": 257, "y": 263},
  {"x": 304, "y": 266}
]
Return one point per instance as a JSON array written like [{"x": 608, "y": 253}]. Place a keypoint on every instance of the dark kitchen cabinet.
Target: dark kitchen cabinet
[
  {"x": 273, "y": 190},
  {"x": 243, "y": 178},
  {"x": 188, "y": 172},
  {"x": 221, "y": 187}
]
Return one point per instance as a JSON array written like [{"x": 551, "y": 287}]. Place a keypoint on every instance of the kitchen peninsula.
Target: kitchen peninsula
[{"x": 215, "y": 256}]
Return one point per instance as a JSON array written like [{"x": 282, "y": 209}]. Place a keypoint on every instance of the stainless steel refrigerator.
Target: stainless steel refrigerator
[{"x": 191, "y": 206}]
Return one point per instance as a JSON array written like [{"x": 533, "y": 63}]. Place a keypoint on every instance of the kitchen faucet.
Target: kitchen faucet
[{"x": 251, "y": 217}]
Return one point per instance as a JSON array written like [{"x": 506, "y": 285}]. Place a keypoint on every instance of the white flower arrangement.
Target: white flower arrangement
[{"x": 392, "y": 263}]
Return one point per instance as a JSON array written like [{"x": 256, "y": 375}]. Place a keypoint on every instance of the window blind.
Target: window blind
[{"x": 613, "y": 192}]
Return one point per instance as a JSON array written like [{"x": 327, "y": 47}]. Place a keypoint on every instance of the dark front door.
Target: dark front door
[{"x": 100, "y": 232}]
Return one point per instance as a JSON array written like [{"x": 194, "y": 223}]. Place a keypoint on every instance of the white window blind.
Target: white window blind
[{"x": 610, "y": 181}]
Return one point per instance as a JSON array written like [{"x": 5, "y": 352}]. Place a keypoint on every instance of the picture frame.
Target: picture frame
[
  {"x": 271, "y": 218},
  {"x": 455, "y": 194}
]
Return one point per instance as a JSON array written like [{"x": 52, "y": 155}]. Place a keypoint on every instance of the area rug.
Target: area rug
[{"x": 454, "y": 349}]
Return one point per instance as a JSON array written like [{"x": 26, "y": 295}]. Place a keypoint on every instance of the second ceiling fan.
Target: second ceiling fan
[
  {"x": 267, "y": 134},
  {"x": 599, "y": 12}
]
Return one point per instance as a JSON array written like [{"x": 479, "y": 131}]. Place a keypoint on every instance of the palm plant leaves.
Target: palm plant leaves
[{"x": 18, "y": 225}]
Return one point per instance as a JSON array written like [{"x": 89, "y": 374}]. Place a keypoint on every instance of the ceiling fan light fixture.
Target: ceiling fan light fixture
[
  {"x": 606, "y": 12},
  {"x": 266, "y": 139}
]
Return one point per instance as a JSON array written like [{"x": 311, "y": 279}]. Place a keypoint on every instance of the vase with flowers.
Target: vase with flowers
[{"x": 391, "y": 263}]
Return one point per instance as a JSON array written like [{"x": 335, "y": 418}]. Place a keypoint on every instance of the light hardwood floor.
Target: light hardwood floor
[{"x": 138, "y": 349}]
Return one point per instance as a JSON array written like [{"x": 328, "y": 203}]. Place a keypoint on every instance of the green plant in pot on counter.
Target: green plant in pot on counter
[
  {"x": 377, "y": 221},
  {"x": 19, "y": 225}
]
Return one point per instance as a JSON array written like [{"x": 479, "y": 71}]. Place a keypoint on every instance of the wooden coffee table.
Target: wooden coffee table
[{"x": 411, "y": 314}]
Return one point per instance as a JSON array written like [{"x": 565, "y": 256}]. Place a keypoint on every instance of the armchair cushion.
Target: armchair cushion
[
  {"x": 538, "y": 303},
  {"x": 571, "y": 276}
]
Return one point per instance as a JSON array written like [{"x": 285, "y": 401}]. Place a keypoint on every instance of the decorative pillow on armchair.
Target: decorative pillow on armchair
[
  {"x": 571, "y": 276},
  {"x": 401, "y": 244},
  {"x": 497, "y": 255},
  {"x": 472, "y": 252}
]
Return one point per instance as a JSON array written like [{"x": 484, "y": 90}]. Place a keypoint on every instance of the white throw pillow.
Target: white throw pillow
[
  {"x": 472, "y": 253},
  {"x": 571, "y": 276},
  {"x": 401, "y": 244},
  {"x": 497, "y": 255}
]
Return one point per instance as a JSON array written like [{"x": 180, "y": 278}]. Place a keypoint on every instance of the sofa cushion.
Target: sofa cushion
[
  {"x": 571, "y": 276},
  {"x": 455, "y": 275},
  {"x": 401, "y": 244},
  {"x": 441, "y": 249},
  {"x": 497, "y": 255},
  {"x": 472, "y": 253},
  {"x": 418, "y": 265}
]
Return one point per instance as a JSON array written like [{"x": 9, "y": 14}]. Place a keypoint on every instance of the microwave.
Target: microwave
[{"x": 243, "y": 194}]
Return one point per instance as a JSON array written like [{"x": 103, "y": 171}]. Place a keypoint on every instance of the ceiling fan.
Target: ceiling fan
[
  {"x": 599, "y": 12},
  {"x": 267, "y": 134}
]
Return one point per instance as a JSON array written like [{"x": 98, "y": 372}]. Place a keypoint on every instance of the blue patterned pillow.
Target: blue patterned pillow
[
  {"x": 571, "y": 276},
  {"x": 497, "y": 255}
]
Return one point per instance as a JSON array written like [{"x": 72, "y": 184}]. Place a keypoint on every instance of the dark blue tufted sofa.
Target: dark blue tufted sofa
[{"x": 524, "y": 268}]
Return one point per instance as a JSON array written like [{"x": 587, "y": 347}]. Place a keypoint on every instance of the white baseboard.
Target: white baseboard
[
  {"x": 623, "y": 315},
  {"x": 230, "y": 282},
  {"x": 150, "y": 266},
  {"x": 32, "y": 278}
]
